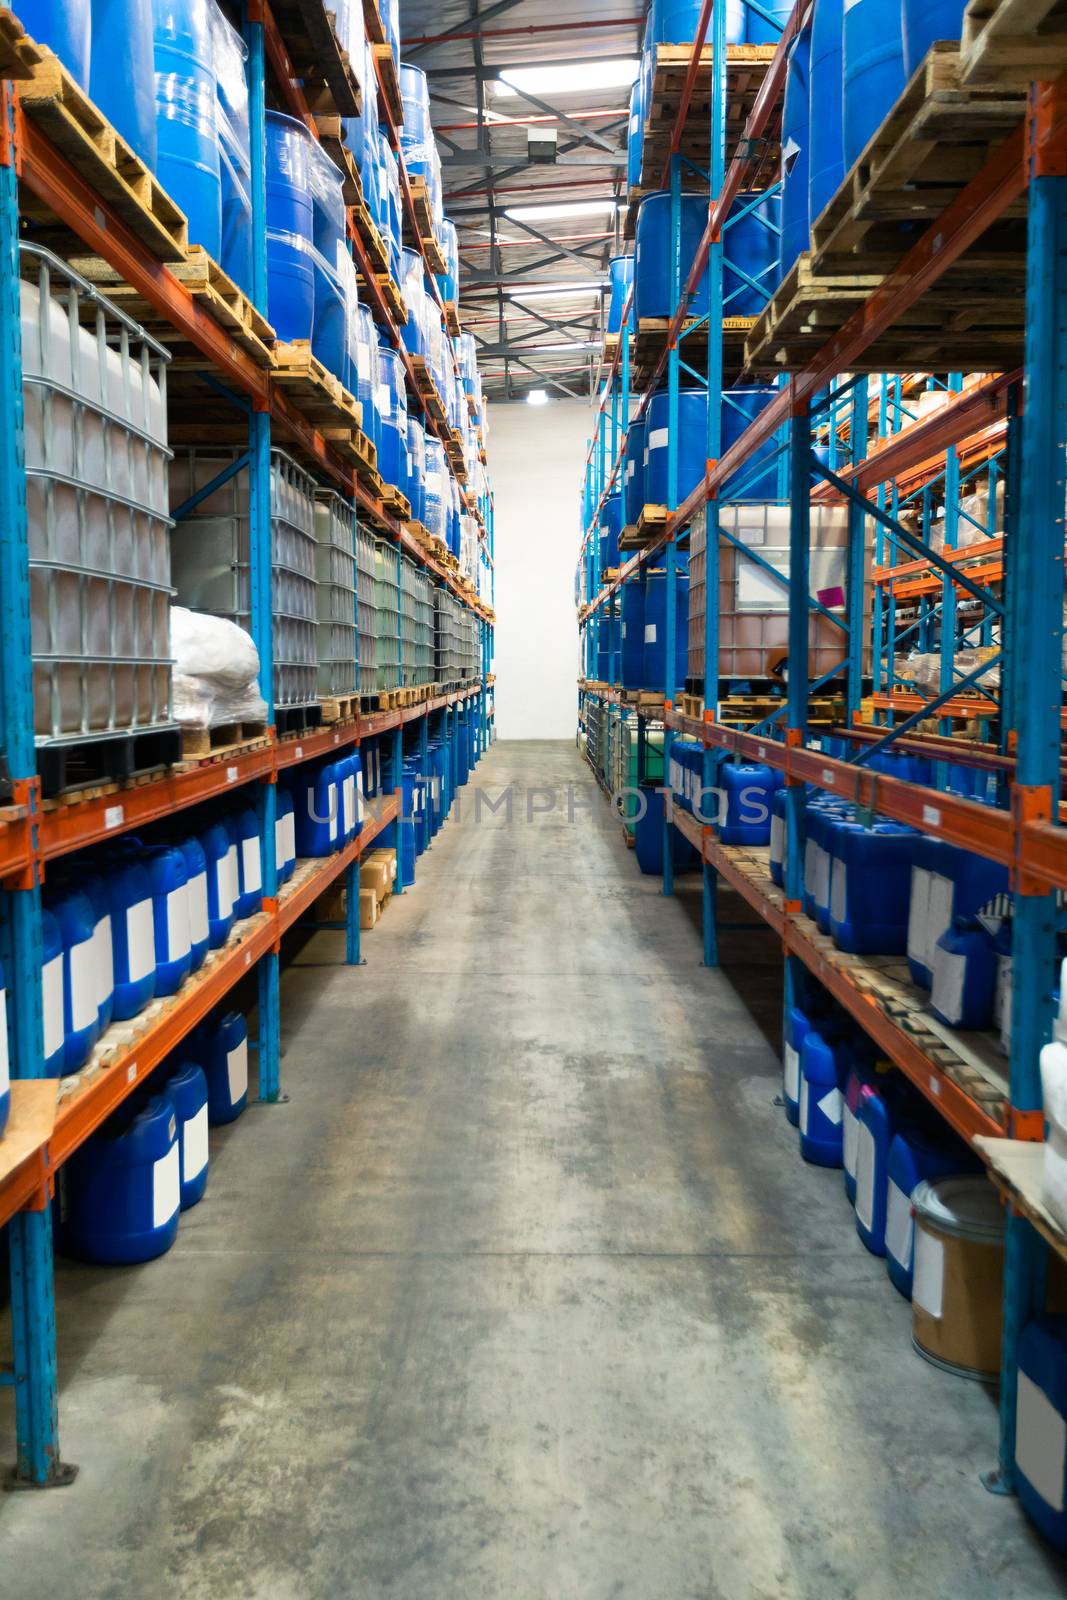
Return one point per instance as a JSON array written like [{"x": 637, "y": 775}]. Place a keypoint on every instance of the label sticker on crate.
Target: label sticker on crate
[
  {"x": 932, "y": 816},
  {"x": 114, "y": 817}
]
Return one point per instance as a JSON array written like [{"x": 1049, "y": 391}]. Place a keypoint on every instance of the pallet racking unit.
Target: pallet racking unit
[
  {"x": 237, "y": 370},
  {"x": 998, "y": 215}
]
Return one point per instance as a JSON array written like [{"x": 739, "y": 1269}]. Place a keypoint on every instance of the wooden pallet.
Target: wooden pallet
[
  {"x": 396, "y": 503},
  {"x": 322, "y": 398},
  {"x": 372, "y": 21},
  {"x": 201, "y": 745},
  {"x": 393, "y": 298},
  {"x": 936, "y": 139},
  {"x": 452, "y": 322},
  {"x": 746, "y": 68},
  {"x": 691, "y": 705},
  {"x": 375, "y": 246},
  {"x": 52, "y": 100},
  {"x": 389, "y": 82},
  {"x": 650, "y": 342},
  {"x": 426, "y": 237},
  {"x": 19, "y": 56},
  {"x": 339, "y": 708},
  {"x": 1009, "y": 44},
  {"x": 318, "y": 56},
  {"x": 421, "y": 534},
  {"x": 427, "y": 391},
  {"x": 331, "y": 137},
  {"x": 650, "y": 523}
]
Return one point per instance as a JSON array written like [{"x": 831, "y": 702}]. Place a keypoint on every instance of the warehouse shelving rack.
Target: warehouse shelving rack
[
  {"x": 1018, "y": 418},
  {"x": 33, "y": 834}
]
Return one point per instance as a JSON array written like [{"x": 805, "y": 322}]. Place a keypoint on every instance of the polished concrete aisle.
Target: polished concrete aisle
[{"x": 524, "y": 1295}]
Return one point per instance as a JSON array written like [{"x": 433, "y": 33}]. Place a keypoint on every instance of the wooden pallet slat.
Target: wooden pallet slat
[{"x": 1011, "y": 43}]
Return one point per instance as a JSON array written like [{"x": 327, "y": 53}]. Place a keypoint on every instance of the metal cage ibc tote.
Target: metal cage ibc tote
[
  {"x": 366, "y": 603},
  {"x": 386, "y": 616},
  {"x": 335, "y": 573}
]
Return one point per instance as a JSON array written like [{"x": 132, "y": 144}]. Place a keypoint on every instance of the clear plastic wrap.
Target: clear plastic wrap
[{"x": 216, "y": 671}]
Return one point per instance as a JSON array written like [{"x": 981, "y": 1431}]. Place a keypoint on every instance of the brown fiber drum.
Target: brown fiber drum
[{"x": 959, "y": 1268}]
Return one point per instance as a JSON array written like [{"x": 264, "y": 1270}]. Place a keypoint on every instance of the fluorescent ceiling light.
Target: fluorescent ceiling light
[
  {"x": 542, "y": 349},
  {"x": 579, "y": 77},
  {"x": 537, "y": 397},
  {"x": 556, "y": 290},
  {"x": 561, "y": 208}
]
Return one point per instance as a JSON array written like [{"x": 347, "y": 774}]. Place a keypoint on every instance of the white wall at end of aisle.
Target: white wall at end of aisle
[{"x": 536, "y": 456}]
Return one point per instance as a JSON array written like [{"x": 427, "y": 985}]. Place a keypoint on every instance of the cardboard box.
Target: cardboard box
[
  {"x": 368, "y": 908},
  {"x": 375, "y": 875},
  {"x": 388, "y": 856}
]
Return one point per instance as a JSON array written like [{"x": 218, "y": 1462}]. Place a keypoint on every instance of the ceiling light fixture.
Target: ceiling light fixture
[
  {"x": 556, "y": 290},
  {"x": 537, "y": 397},
  {"x": 561, "y": 208},
  {"x": 574, "y": 78}
]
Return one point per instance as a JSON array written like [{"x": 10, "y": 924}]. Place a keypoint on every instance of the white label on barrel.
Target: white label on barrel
[
  {"x": 790, "y": 1072},
  {"x": 194, "y": 1145},
  {"x": 830, "y": 1106},
  {"x": 838, "y": 891},
  {"x": 822, "y": 876},
  {"x": 949, "y": 978},
  {"x": 5, "y": 1068},
  {"x": 803, "y": 1105},
  {"x": 349, "y": 797},
  {"x": 178, "y": 923},
  {"x": 865, "y": 1162},
  {"x": 809, "y": 866},
  {"x": 384, "y": 400},
  {"x": 140, "y": 941},
  {"x": 656, "y": 440},
  {"x": 939, "y": 915},
  {"x": 848, "y": 1138},
  {"x": 237, "y": 1071},
  {"x": 104, "y": 960},
  {"x": 290, "y": 837},
  {"x": 363, "y": 361},
  {"x": 83, "y": 985},
  {"x": 898, "y": 1224},
  {"x": 928, "y": 1284},
  {"x": 1040, "y": 1442},
  {"x": 166, "y": 1187},
  {"x": 232, "y": 881},
  {"x": 197, "y": 895},
  {"x": 918, "y": 915},
  {"x": 650, "y": 633},
  {"x": 777, "y": 838},
  {"x": 250, "y": 864}
]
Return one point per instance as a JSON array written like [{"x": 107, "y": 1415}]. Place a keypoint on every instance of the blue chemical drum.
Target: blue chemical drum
[
  {"x": 876, "y": 1115},
  {"x": 329, "y": 328},
  {"x": 751, "y": 249},
  {"x": 221, "y": 883},
  {"x": 186, "y": 1089},
  {"x": 5, "y": 1065},
  {"x": 416, "y": 468},
  {"x": 758, "y": 30},
  {"x": 1041, "y": 1427},
  {"x": 93, "y": 886},
  {"x": 317, "y": 810},
  {"x": 621, "y": 271},
  {"x": 675, "y": 22},
  {"x": 64, "y": 27},
  {"x": 122, "y": 79},
  {"x": 746, "y": 792},
  {"x": 870, "y": 882},
  {"x": 924, "y": 22},
  {"x": 244, "y": 833},
  {"x": 351, "y": 796},
  {"x": 874, "y": 70},
  {"x": 824, "y": 1062},
  {"x": 758, "y": 478},
  {"x": 648, "y": 837},
  {"x": 634, "y": 472},
  {"x": 74, "y": 916},
  {"x": 692, "y": 444},
  {"x": 120, "y": 1194},
  {"x": 634, "y": 138},
  {"x": 416, "y": 135},
  {"x": 170, "y": 916},
  {"x": 196, "y": 896},
  {"x": 187, "y": 146},
  {"x": 52, "y": 995},
  {"x": 392, "y": 418},
  {"x": 776, "y": 863},
  {"x": 632, "y": 628},
  {"x": 654, "y": 660},
  {"x": 448, "y": 239},
  {"x": 610, "y": 529},
  {"x": 290, "y": 228},
  {"x": 861, "y": 1076},
  {"x": 796, "y": 153},
  {"x": 964, "y": 976},
  {"x": 653, "y": 262},
  {"x": 132, "y": 936},
  {"x": 284, "y": 836},
  {"x": 235, "y": 152},
  {"x": 220, "y": 1046},
  {"x": 826, "y": 159},
  {"x": 914, "y": 1156},
  {"x": 798, "y": 1023}
]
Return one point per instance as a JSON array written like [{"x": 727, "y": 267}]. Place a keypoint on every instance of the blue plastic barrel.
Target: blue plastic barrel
[
  {"x": 870, "y": 882},
  {"x": 826, "y": 160},
  {"x": 448, "y": 239},
  {"x": 691, "y": 436},
  {"x": 74, "y": 916},
  {"x": 924, "y": 22},
  {"x": 392, "y": 419},
  {"x": 746, "y": 792},
  {"x": 317, "y": 810},
  {"x": 824, "y": 1063},
  {"x": 874, "y": 70},
  {"x": 760, "y": 31},
  {"x": 964, "y": 976},
  {"x": 634, "y": 138},
  {"x": 914, "y": 1155},
  {"x": 796, "y": 152},
  {"x": 196, "y": 894},
  {"x": 653, "y": 257},
  {"x": 243, "y": 828},
  {"x": 64, "y": 28},
  {"x": 284, "y": 836},
  {"x": 351, "y": 779},
  {"x": 776, "y": 863},
  {"x": 132, "y": 936},
  {"x": 290, "y": 228},
  {"x": 1040, "y": 1475},
  {"x": 675, "y": 22},
  {"x": 799, "y": 1020},
  {"x": 861, "y": 1075},
  {"x": 416, "y": 135},
  {"x": 120, "y": 1194},
  {"x": 610, "y": 528},
  {"x": 751, "y": 249},
  {"x": 757, "y": 479},
  {"x": 329, "y": 328},
  {"x": 632, "y": 641},
  {"x": 187, "y": 147},
  {"x": 5, "y": 1064},
  {"x": 122, "y": 78},
  {"x": 170, "y": 916},
  {"x": 186, "y": 1089},
  {"x": 52, "y": 995},
  {"x": 621, "y": 274},
  {"x": 648, "y": 837},
  {"x": 654, "y": 660},
  {"x": 221, "y": 1048},
  {"x": 221, "y": 882},
  {"x": 235, "y": 152},
  {"x": 875, "y": 1118},
  {"x": 94, "y": 887},
  {"x": 416, "y": 468},
  {"x": 634, "y": 472},
  {"x": 947, "y": 884}
]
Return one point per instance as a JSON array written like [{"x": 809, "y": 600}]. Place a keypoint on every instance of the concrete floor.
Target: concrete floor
[{"x": 525, "y": 1293}]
